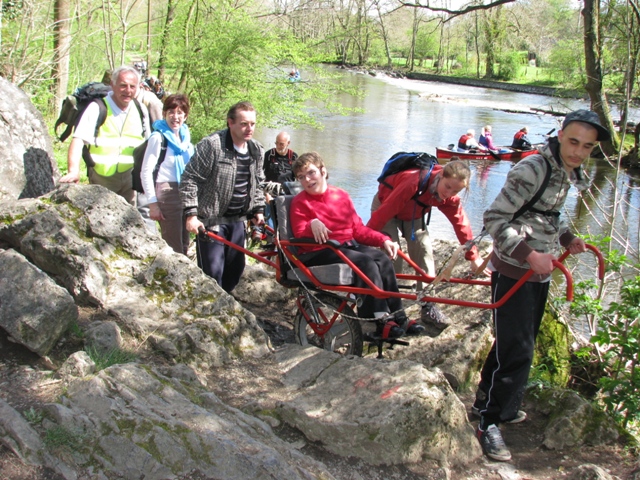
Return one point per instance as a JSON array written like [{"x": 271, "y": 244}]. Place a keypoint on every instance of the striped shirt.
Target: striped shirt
[{"x": 240, "y": 201}]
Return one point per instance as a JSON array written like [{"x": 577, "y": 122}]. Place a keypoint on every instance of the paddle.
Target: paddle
[{"x": 493, "y": 154}]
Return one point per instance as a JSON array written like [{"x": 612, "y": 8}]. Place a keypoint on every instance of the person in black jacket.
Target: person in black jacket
[
  {"x": 520, "y": 139},
  {"x": 278, "y": 160}
]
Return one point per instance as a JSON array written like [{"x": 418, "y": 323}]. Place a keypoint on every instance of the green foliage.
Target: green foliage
[
  {"x": 619, "y": 340},
  {"x": 104, "y": 359},
  {"x": 509, "y": 66},
  {"x": 567, "y": 61},
  {"x": 225, "y": 56},
  {"x": 551, "y": 356},
  {"x": 33, "y": 416},
  {"x": 75, "y": 330},
  {"x": 59, "y": 437}
]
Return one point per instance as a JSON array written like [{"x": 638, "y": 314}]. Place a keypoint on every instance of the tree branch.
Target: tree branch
[{"x": 455, "y": 13}]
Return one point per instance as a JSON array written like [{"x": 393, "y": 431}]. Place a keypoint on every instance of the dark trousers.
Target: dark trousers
[
  {"x": 222, "y": 263},
  {"x": 375, "y": 264},
  {"x": 506, "y": 369}
]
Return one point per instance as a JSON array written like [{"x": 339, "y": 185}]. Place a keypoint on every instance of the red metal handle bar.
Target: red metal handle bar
[
  {"x": 237, "y": 247},
  {"x": 596, "y": 252}
]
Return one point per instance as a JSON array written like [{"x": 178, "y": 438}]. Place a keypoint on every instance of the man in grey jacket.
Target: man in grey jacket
[
  {"x": 219, "y": 192},
  {"x": 522, "y": 242}
]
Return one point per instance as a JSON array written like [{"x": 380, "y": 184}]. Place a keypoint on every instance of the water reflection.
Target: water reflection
[{"x": 396, "y": 118}]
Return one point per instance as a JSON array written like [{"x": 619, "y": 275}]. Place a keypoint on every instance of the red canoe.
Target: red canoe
[{"x": 512, "y": 154}]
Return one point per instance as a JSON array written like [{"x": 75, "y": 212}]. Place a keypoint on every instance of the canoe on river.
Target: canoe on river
[{"x": 510, "y": 154}]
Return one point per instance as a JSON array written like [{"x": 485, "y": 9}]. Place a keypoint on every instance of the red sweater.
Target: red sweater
[
  {"x": 398, "y": 203},
  {"x": 335, "y": 209}
]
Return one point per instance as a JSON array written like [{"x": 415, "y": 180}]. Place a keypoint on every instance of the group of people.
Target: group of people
[
  {"x": 216, "y": 186},
  {"x": 107, "y": 150},
  {"x": 468, "y": 142}
]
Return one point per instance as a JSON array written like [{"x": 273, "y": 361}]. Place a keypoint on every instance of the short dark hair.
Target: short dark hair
[
  {"x": 240, "y": 106},
  {"x": 176, "y": 100}
]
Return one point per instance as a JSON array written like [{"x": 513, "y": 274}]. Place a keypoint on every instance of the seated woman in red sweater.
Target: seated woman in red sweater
[{"x": 324, "y": 212}]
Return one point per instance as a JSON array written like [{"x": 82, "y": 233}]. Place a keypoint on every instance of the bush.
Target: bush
[{"x": 509, "y": 66}]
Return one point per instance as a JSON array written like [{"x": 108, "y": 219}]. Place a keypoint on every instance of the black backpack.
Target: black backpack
[
  {"x": 138, "y": 158},
  {"x": 75, "y": 104},
  {"x": 402, "y": 161}
]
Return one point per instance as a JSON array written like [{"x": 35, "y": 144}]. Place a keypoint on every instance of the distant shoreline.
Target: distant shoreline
[{"x": 513, "y": 87}]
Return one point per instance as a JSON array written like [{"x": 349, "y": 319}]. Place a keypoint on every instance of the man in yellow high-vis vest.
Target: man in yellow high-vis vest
[{"x": 108, "y": 148}]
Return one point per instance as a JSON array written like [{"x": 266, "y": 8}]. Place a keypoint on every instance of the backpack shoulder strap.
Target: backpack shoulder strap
[
  {"x": 163, "y": 154},
  {"x": 139, "y": 107},
  {"x": 545, "y": 183},
  {"x": 102, "y": 114}
]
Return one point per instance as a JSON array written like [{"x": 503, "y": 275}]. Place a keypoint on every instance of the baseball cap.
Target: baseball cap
[{"x": 587, "y": 116}]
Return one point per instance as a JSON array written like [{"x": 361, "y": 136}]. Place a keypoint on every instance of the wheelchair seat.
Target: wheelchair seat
[{"x": 333, "y": 274}]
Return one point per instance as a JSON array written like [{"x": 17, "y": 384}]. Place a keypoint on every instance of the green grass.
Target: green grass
[
  {"x": 60, "y": 156},
  {"x": 105, "y": 359},
  {"x": 59, "y": 437},
  {"x": 33, "y": 416}
]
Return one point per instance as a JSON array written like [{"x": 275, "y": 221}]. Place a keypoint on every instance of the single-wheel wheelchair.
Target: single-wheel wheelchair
[{"x": 327, "y": 300}]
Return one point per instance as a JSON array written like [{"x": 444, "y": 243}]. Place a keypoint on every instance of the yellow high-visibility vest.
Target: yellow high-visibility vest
[{"x": 114, "y": 152}]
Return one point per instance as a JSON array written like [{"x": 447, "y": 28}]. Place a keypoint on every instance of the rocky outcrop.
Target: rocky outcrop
[
  {"x": 34, "y": 310},
  {"x": 381, "y": 412},
  {"x": 96, "y": 245},
  {"x": 135, "y": 420},
  {"x": 574, "y": 421},
  {"x": 27, "y": 169}
]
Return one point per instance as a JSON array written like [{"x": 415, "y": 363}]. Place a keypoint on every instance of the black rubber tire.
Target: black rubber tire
[{"x": 345, "y": 337}]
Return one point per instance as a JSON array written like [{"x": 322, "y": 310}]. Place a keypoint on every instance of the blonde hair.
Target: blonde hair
[{"x": 458, "y": 170}]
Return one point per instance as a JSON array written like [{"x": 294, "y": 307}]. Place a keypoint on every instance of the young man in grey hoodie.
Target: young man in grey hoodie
[{"x": 527, "y": 241}]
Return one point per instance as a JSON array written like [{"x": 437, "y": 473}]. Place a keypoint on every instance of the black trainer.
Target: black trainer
[{"x": 492, "y": 443}]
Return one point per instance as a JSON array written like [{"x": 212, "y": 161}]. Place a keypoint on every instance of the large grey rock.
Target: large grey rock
[
  {"x": 574, "y": 421},
  {"x": 137, "y": 422},
  {"x": 379, "y": 411},
  {"x": 27, "y": 169},
  {"x": 34, "y": 310},
  {"x": 96, "y": 245}
]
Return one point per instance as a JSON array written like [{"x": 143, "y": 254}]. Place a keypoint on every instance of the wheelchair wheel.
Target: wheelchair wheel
[{"x": 344, "y": 336}]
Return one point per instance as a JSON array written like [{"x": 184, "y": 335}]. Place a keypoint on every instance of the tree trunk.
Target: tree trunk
[
  {"x": 414, "y": 35},
  {"x": 385, "y": 36},
  {"x": 593, "y": 65},
  {"x": 164, "y": 41},
  {"x": 476, "y": 37},
  {"x": 61, "y": 47}
]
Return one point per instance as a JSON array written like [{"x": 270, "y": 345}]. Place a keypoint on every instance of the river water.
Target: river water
[{"x": 398, "y": 115}]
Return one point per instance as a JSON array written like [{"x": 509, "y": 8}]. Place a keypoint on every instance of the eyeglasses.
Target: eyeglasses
[{"x": 310, "y": 174}]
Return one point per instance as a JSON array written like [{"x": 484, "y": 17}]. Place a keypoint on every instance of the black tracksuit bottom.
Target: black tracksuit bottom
[{"x": 506, "y": 369}]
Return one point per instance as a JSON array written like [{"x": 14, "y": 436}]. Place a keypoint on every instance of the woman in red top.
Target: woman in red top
[
  {"x": 395, "y": 212},
  {"x": 324, "y": 212}
]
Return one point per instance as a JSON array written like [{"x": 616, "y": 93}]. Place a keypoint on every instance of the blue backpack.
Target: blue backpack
[{"x": 402, "y": 161}]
